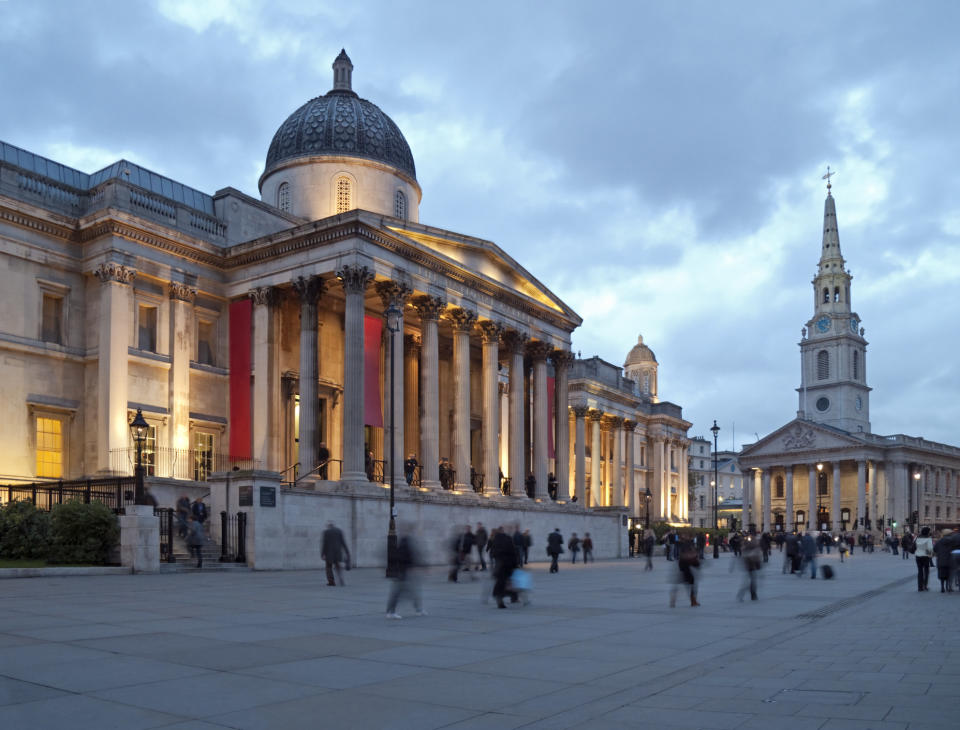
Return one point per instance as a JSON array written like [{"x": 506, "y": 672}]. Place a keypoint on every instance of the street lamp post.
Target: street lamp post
[
  {"x": 716, "y": 484},
  {"x": 138, "y": 429},
  {"x": 915, "y": 506},
  {"x": 393, "y": 326},
  {"x": 648, "y": 498},
  {"x": 819, "y": 497}
]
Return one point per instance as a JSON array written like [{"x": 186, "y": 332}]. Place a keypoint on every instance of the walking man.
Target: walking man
[
  {"x": 554, "y": 548},
  {"x": 333, "y": 551},
  {"x": 480, "y": 540}
]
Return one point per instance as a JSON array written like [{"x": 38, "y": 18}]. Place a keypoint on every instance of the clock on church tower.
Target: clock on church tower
[{"x": 833, "y": 353}]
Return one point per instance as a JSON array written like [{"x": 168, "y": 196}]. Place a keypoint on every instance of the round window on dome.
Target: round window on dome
[{"x": 823, "y": 404}]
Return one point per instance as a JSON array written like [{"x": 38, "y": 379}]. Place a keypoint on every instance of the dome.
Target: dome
[
  {"x": 341, "y": 123},
  {"x": 639, "y": 354}
]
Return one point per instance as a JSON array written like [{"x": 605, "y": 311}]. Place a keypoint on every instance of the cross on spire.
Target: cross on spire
[{"x": 827, "y": 178}]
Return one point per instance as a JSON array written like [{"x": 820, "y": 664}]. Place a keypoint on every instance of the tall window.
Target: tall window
[
  {"x": 202, "y": 455},
  {"x": 51, "y": 328},
  {"x": 836, "y": 293},
  {"x": 147, "y": 328},
  {"x": 856, "y": 365},
  {"x": 150, "y": 451},
  {"x": 49, "y": 447},
  {"x": 283, "y": 197},
  {"x": 826, "y": 295},
  {"x": 205, "y": 343},
  {"x": 823, "y": 365},
  {"x": 779, "y": 488},
  {"x": 400, "y": 205},
  {"x": 344, "y": 195}
]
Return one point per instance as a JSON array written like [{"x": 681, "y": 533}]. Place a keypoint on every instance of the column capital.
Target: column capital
[
  {"x": 615, "y": 422},
  {"x": 580, "y": 411},
  {"x": 462, "y": 320},
  {"x": 562, "y": 359},
  {"x": 595, "y": 416},
  {"x": 629, "y": 425},
  {"x": 428, "y": 307},
  {"x": 490, "y": 331},
  {"x": 182, "y": 292},
  {"x": 355, "y": 279},
  {"x": 539, "y": 350},
  {"x": 514, "y": 341},
  {"x": 111, "y": 271},
  {"x": 393, "y": 293},
  {"x": 266, "y": 296},
  {"x": 309, "y": 289},
  {"x": 411, "y": 344}
]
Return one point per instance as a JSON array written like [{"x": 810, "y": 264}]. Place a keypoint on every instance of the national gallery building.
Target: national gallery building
[
  {"x": 826, "y": 469},
  {"x": 274, "y": 334}
]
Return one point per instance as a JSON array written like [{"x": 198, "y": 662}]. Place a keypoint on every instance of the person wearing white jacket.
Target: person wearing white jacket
[{"x": 923, "y": 553}]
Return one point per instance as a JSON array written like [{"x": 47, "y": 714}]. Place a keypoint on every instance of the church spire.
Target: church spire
[
  {"x": 342, "y": 72},
  {"x": 830, "y": 255}
]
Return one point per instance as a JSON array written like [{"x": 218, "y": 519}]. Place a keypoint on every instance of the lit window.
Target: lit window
[
  {"x": 202, "y": 455},
  {"x": 49, "y": 447},
  {"x": 400, "y": 205},
  {"x": 205, "y": 343},
  {"x": 344, "y": 195},
  {"x": 823, "y": 365},
  {"x": 283, "y": 197},
  {"x": 149, "y": 454},
  {"x": 147, "y": 328},
  {"x": 51, "y": 329},
  {"x": 779, "y": 487}
]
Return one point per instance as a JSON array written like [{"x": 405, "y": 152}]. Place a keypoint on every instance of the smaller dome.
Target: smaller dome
[{"x": 639, "y": 354}]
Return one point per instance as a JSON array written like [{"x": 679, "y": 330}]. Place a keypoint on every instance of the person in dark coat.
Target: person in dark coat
[
  {"x": 527, "y": 542},
  {"x": 518, "y": 544},
  {"x": 808, "y": 547},
  {"x": 323, "y": 458},
  {"x": 649, "y": 541},
  {"x": 480, "y": 540},
  {"x": 196, "y": 538},
  {"x": 410, "y": 468},
  {"x": 587, "y": 546},
  {"x": 574, "y": 547},
  {"x": 947, "y": 543},
  {"x": 765, "y": 544},
  {"x": 504, "y": 553},
  {"x": 333, "y": 551},
  {"x": 554, "y": 549},
  {"x": 752, "y": 562},
  {"x": 199, "y": 511},
  {"x": 183, "y": 515},
  {"x": 687, "y": 562},
  {"x": 406, "y": 582},
  {"x": 792, "y": 553}
]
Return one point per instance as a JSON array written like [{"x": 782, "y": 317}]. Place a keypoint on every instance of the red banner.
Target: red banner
[
  {"x": 241, "y": 327},
  {"x": 372, "y": 333}
]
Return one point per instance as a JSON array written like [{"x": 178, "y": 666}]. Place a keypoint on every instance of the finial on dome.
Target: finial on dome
[
  {"x": 825, "y": 177},
  {"x": 342, "y": 72},
  {"x": 639, "y": 339}
]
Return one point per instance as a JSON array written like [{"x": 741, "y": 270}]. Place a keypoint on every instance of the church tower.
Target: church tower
[{"x": 833, "y": 387}]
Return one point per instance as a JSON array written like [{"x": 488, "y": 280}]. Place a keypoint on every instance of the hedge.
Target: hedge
[{"x": 73, "y": 532}]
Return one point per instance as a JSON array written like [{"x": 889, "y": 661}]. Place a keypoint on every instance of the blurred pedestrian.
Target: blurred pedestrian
[
  {"x": 407, "y": 580},
  {"x": 752, "y": 562},
  {"x": 196, "y": 538},
  {"x": 574, "y": 547},
  {"x": 942, "y": 549},
  {"x": 527, "y": 542},
  {"x": 687, "y": 564},
  {"x": 183, "y": 515},
  {"x": 808, "y": 548},
  {"x": 504, "y": 553},
  {"x": 199, "y": 511},
  {"x": 649, "y": 541},
  {"x": 587, "y": 546},
  {"x": 554, "y": 549},
  {"x": 480, "y": 540},
  {"x": 334, "y": 551}
]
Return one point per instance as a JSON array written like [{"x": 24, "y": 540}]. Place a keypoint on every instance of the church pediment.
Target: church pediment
[{"x": 799, "y": 436}]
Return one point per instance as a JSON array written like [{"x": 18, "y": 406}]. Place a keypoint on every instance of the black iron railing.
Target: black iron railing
[
  {"x": 191, "y": 464},
  {"x": 233, "y": 537},
  {"x": 115, "y": 492},
  {"x": 166, "y": 533}
]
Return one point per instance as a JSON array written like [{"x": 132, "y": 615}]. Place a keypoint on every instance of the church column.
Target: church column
[
  {"x": 765, "y": 499},
  {"x": 539, "y": 352},
  {"x": 355, "y": 280},
  {"x": 429, "y": 309},
  {"x": 266, "y": 382},
  {"x": 812, "y": 516},
  {"x": 860, "y": 524},
  {"x": 181, "y": 353},
  {"x": 113, "y": 431},
  {"x": 745, "y": 502},
  {"x": 561, "y": 415},
  {"x": 835, "y": 506},
  {"x": 874, "y": 483},
  {"x": 660, "y": 496},
  {"x": 490, "y": 332},
  {"x": 790, "y": 517},
  {"x": 579, "y": 447},
  {"x": 309, "y": 290},
  {"x": 394, "y": 296},
  {"x": 411, "y": 395},
  {"x": 892, "y": 474},
  {"x": 596, "y": 449},
  {"x": 462, "y": 321},
  {"x": 628, "y": 446},
  {"x": 616, "y": 471},
  {"x": 514, "y": 343}
]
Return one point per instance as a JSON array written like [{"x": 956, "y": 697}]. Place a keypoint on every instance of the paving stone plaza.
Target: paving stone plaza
[{"x": 597, "y": 647}]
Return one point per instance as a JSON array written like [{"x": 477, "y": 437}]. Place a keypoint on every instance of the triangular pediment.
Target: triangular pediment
[
  {"x": 800, "y": 436},
  {"x": 485, "y": 259}
]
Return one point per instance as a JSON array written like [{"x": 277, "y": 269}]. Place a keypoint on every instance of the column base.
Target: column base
[{"x": 432, "y": 486}]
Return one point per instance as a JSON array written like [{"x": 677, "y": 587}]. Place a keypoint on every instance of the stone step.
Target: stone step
[{"x": 189, "y": 566}]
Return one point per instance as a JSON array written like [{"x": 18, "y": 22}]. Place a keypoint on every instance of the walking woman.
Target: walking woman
[{"x": 923, "y": 552}]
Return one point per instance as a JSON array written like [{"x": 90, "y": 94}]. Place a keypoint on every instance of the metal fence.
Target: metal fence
[
  {"x": 115, "y": 492},
  {"x": 193, "y": 464},
  {"x": 166, "y": 533},
  {"x": 231, "y": 532}
]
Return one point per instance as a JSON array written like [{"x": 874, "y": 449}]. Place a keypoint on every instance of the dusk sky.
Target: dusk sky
[{"x": 656, "y": 165}]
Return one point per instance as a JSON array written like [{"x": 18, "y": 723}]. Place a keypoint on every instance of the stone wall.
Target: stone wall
[{"x": 288, "y": 535}]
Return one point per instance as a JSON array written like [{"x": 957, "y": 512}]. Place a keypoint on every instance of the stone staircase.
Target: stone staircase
[{"x": 185, "y": 562}]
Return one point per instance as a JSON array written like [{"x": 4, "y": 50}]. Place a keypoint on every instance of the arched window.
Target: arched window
[
  {"x": 856, "y": 365},
  {"x": 283, "y": 197},
  {"x": 400, "y": 205},
  {"x": 826, "y": 295},
  {"x": 836, "y": 293},
  {"x": 344, "y": 195},
  {"x": 779, "y": 488},
  {"x": 646, "y": 383},
  {"x": 823, "y": 365}
]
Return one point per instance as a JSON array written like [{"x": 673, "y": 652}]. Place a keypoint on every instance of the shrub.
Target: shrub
[
  {"x": 82, "y": 533},
  {"x": 24, "y": 531}
]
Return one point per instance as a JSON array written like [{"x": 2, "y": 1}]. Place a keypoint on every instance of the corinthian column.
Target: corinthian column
[
  {"x": 539, "y": 352},
  {"x": 394, "y": 296},
  {"x": 309, "y": 290},
  {"x": 790, "y": 516},
  {"x": 490, "y": 332},
  {"x": 429, "y": 309},
  {"x": 836, "y": 496},
  {"x": 861, "y": 523},
  {"x": 113, "y": 433},
  {"x": 411, "y": 394},
  {"x": 765, "y": 500},
  {"x": 561, "y": 416},
  {"x": 514, "y": 343},
  {"x": 628, "y": 445},
  {"x": 596, "y": 450},
  {"x": 615, "y": 478},
  {"x": 813, "y": 518},
  {"x": 181, "y": 352},
  {"x": 355, "y": 280},
  {"x": 462, "y": 321},
  {"x": 579, "y": 449}
]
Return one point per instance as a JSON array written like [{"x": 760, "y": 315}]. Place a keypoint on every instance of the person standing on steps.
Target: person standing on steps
[{"x": 196, "y": 538}]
